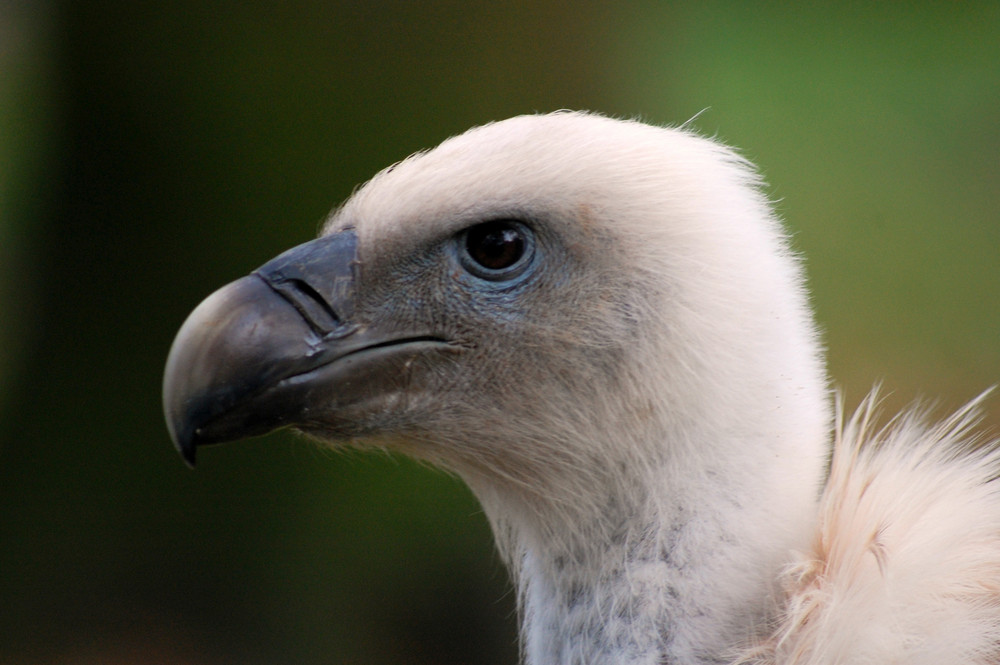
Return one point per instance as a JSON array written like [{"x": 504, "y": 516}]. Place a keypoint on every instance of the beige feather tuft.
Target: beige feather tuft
[{"x": 905, "y": 564}]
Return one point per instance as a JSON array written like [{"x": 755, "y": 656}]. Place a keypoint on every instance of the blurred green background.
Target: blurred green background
[{"x": 150, "y": 152}]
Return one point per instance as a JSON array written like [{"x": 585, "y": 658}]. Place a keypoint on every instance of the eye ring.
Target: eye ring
[{"x": 497, "y": 250}]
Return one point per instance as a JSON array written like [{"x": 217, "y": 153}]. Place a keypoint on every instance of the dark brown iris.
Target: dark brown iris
[{"x": 495, "y": 245}]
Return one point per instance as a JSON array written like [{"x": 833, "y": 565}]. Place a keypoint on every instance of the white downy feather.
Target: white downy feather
[{"x": 905, "y": 565}]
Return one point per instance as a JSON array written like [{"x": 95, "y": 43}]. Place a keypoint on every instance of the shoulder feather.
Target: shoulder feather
[{"x": 905, "y": 563}]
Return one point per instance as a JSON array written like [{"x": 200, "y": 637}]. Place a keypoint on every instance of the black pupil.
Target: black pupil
[{"x": 495, "y": 245}]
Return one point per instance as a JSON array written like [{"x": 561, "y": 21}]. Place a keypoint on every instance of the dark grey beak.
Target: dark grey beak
[{"x": 237, "y": 365}]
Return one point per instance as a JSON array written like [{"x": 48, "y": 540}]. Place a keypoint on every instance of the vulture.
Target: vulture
[{"x": 599, "y": 325}]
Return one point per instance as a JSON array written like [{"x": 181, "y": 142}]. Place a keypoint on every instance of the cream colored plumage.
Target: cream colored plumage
[
  {"x": 904, "y": 565},
  {"x": 631, "y": 385}
]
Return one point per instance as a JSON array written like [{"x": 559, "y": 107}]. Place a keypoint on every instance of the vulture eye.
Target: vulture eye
[{"x": 496, "y": 250}]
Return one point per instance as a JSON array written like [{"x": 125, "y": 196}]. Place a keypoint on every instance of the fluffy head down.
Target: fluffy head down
[
  {"x": 668, "y": 312},
  {"x": 643, "y": 413}
]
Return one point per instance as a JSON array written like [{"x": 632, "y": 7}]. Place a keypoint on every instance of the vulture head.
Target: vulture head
[{"x": 598, "y": 325}]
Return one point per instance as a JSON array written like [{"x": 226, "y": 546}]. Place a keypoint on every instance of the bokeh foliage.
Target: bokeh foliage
[{"x": 150, "y": 152}]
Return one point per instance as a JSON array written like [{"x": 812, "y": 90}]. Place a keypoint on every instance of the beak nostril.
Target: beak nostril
[
  {"x": 313, "y": 307},
  {"x": 317, "y": 278},
  {"x": 313, "y": 296}
]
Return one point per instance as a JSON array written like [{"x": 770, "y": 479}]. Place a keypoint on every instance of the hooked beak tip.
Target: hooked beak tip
[
  {"x": 243, "y": 340},
  {"x": 187, "y": 447}
]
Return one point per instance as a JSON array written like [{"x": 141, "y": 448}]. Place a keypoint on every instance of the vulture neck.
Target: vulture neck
[{"x": 673, "y": 565}]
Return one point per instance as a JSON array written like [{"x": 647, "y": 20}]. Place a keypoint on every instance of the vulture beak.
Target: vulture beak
[{"x": 264, "y": 351}]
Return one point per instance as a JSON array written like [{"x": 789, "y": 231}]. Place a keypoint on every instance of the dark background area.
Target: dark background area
[{"x": 151, "y": 152}]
